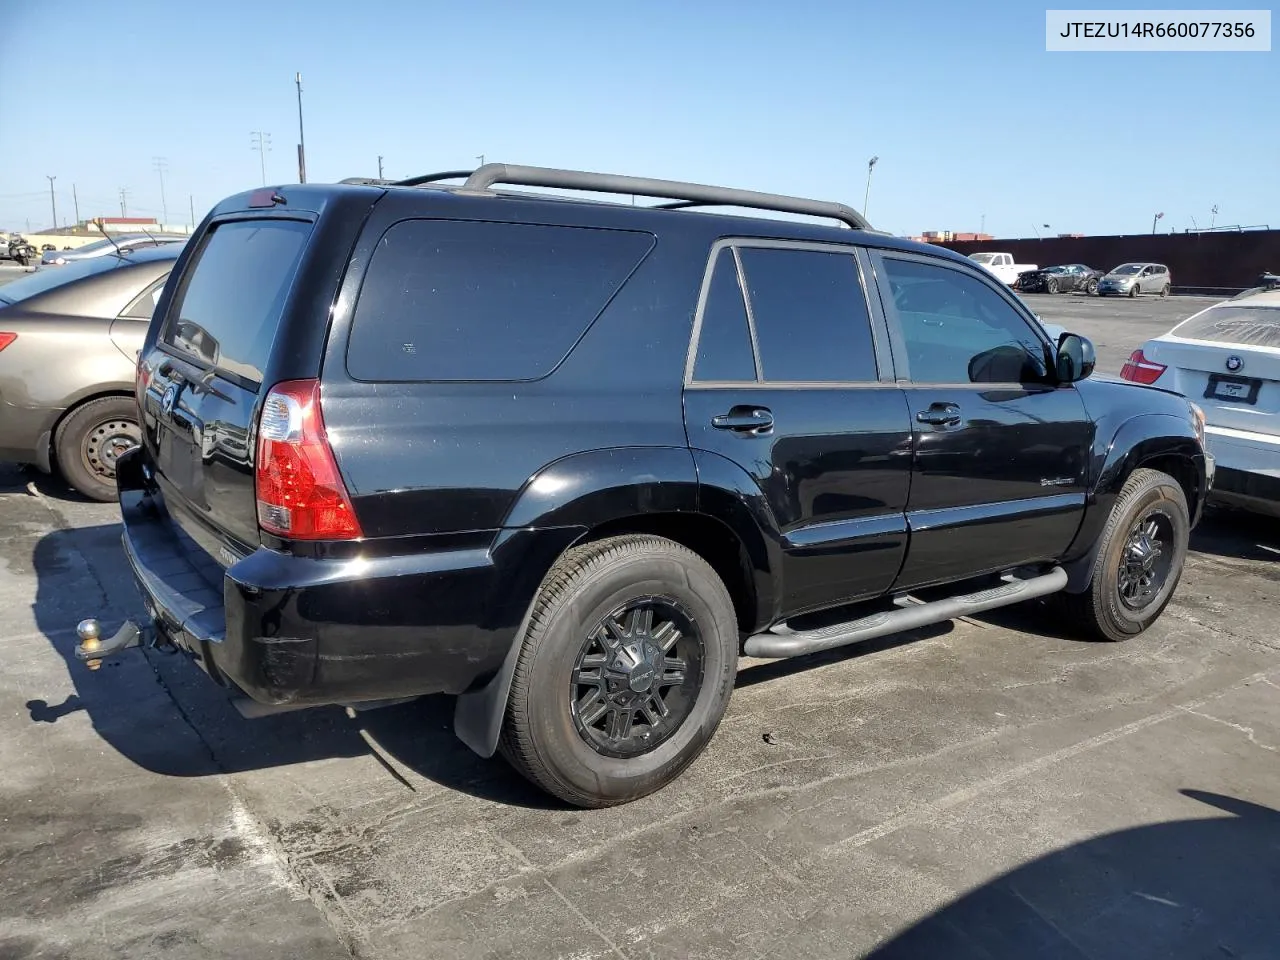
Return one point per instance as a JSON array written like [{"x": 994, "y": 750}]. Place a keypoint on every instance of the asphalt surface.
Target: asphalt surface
[{"x": 987, "y": 789}]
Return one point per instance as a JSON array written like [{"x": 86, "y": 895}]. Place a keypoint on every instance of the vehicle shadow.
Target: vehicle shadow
[
  {"x": 159, "y": 710},
  {"x": 1237, "y": 534},
  {"x": 1191, "y": 888}
]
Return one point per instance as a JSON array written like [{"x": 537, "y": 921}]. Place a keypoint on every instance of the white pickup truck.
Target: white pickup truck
[{"x": 1002, "y": 266}]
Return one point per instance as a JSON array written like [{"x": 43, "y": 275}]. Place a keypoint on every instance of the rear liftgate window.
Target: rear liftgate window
[
  {"x": 455, "y": 300},
  {"x": 1254, "y": 326},
  {"x": 234, "y": 293}
]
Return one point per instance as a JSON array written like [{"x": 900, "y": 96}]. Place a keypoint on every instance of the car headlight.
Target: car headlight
[{"x": 1197, "y": 421}]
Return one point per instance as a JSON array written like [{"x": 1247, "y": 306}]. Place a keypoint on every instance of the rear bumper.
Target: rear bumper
[
  {"x": 306, "y": 630},
  {"x": 25, "y": 433}
]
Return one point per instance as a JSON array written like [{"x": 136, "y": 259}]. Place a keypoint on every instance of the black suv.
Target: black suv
[{"x": 569, "y": 459}]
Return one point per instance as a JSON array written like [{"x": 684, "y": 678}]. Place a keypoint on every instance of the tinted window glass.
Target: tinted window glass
[
  {"x": 1252, "y": 326},
  {"x": 810, "y": 315},
  {"x": 234, "y": 293},
  {"x": 724, "y": 340},
  {"x": 446, "y": 300},
  {"x": 145, "y": 305},
  {"x": 959, "y": 330}
]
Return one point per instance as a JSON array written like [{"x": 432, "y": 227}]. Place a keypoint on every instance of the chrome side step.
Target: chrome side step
[{"x": 780, "y": 642}]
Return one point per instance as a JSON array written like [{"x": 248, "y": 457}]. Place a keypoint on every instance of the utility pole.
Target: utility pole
[
  {"x": 981, "y": 229},
  {"x": 161, "y": 164},
  {"x": 379, "y": 167},
  {"x": 124, "y": 201},
  {"x": 481, "y": 159},
  {"x": 53, "y": 203},
  {"x": 871, "y": 165},
  {"x": 1214, "y": 218},
  {"x": 192, "y": 200},
  {"x": 76, "y": 200},
  {"x": 302, "y": 140},
  {"x": 262, "y": 143}
]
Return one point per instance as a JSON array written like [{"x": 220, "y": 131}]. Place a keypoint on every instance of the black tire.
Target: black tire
[
  {"x": 1135, "y": 289},
  {"x": 1092, "y": 288},
  {"x": 90, "y": 439},
  {"x": 547, "y": 733},
  {"x": 1051, "y": 285},
  {"x": 1164, "y": 291},
  {"x": 1102, "y": 611}
]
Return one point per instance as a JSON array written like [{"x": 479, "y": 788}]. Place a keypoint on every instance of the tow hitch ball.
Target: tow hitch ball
[{"x": 92, "y": 649}]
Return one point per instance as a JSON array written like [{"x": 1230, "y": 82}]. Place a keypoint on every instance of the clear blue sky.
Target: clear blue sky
[{"x": 967, "y": 112}]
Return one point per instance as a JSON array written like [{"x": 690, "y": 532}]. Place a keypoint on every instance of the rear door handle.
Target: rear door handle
[
  {"x": 940, "y": 415},
  {"x": 745, "y": 420}
]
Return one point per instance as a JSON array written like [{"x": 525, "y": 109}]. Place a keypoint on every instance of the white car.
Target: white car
[{"x": 1227, "y": 360}]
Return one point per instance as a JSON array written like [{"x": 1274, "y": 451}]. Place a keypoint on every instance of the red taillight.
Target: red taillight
[
  {"x": 1141, "y": 370},
  {"x": 300, "y": 492},
  {"x": 6, "y": 339}
]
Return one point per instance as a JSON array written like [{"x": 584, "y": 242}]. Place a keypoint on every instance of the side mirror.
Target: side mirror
[{"x": 1076, "y": 358}]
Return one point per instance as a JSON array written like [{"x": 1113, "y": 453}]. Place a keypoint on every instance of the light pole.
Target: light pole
[
  {"x": 1214, "y": 218},
  {"x": 379, "y": 166},
  {"x": 262, "y": 143},
  {"x": 1154, "y": 220},
  {"x": 871, "y": 165},
  {"x": 53, "y": 204},
  {"x": 302, "y": 140},
  {"x": 160, "y": 163},
  {"x": 481, "y": 159},
  {"x": 124, "y": 201}
]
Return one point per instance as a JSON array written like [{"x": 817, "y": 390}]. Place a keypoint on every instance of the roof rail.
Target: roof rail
[
  {"x": 689, "y": 194},
  {"x": 433, "y": 178}
]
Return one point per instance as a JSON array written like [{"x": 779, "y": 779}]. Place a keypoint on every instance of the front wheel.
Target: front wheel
[
  {"x": 624, "y": 673},
  {"x": 1092, "y": 288},
  {"x": 1135, "y": 290},
  {"x": 1139, "y": 559},
  {"x": 1051, "y": 285},
  {"x": 91, "y": 439}
]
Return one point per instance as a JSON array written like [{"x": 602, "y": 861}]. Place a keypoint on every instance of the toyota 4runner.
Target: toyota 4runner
[{"x": 570, "y": 459}]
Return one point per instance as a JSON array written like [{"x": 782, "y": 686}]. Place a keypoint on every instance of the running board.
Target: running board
[{"x": 780, "y": 642}]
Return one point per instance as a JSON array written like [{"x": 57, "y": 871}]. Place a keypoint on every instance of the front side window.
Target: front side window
[{"x": 957, "y": 329}]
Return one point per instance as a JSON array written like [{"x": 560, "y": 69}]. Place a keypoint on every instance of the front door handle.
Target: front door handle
[
  {"x": 756, "y": 420},
  {"x": 940, "y": 415}
]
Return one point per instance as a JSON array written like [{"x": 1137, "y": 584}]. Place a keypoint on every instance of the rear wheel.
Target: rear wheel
[
  {"x": 1164, "y": 291},
  {"x": 625, "y": 671},
  {"x": 1139, "y": 559},
  {"x": 91, "y": 439}
]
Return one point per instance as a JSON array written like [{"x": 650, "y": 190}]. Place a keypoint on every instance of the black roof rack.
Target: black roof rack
[{"x": 686, "y": 194}]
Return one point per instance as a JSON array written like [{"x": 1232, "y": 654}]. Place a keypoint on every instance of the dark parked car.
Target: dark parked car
[
  {"x": 121, "y": 245},
  {"x": 69, "y": 340},
  {"x": 1060, "y": 279},
  {"x": 569, "y": 460}
]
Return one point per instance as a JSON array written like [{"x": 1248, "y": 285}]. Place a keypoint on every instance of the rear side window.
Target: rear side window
[
  {"x": 810, "y": 315},
  {"x": 724, "y": 340},
  {"x": 457, "y": 300},
  {"x": 227, "y": 310},
  {"x": 1247, "y": 326}
]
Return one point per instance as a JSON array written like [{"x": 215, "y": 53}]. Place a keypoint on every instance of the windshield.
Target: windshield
[
  {"x": 44, "y": 280},
  {"x": 1056, "y": 269},
  {"x": 1125, "y": 269},
  {"x": 1254, "y": 326},
  {"x": 983, "y": 257}
]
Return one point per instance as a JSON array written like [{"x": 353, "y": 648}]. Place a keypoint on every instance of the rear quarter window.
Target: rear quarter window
[
  {"x": 1248, "y": 326},
  {"x": 230, "y": 300},
  {"x": 461, "y": 300}
]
